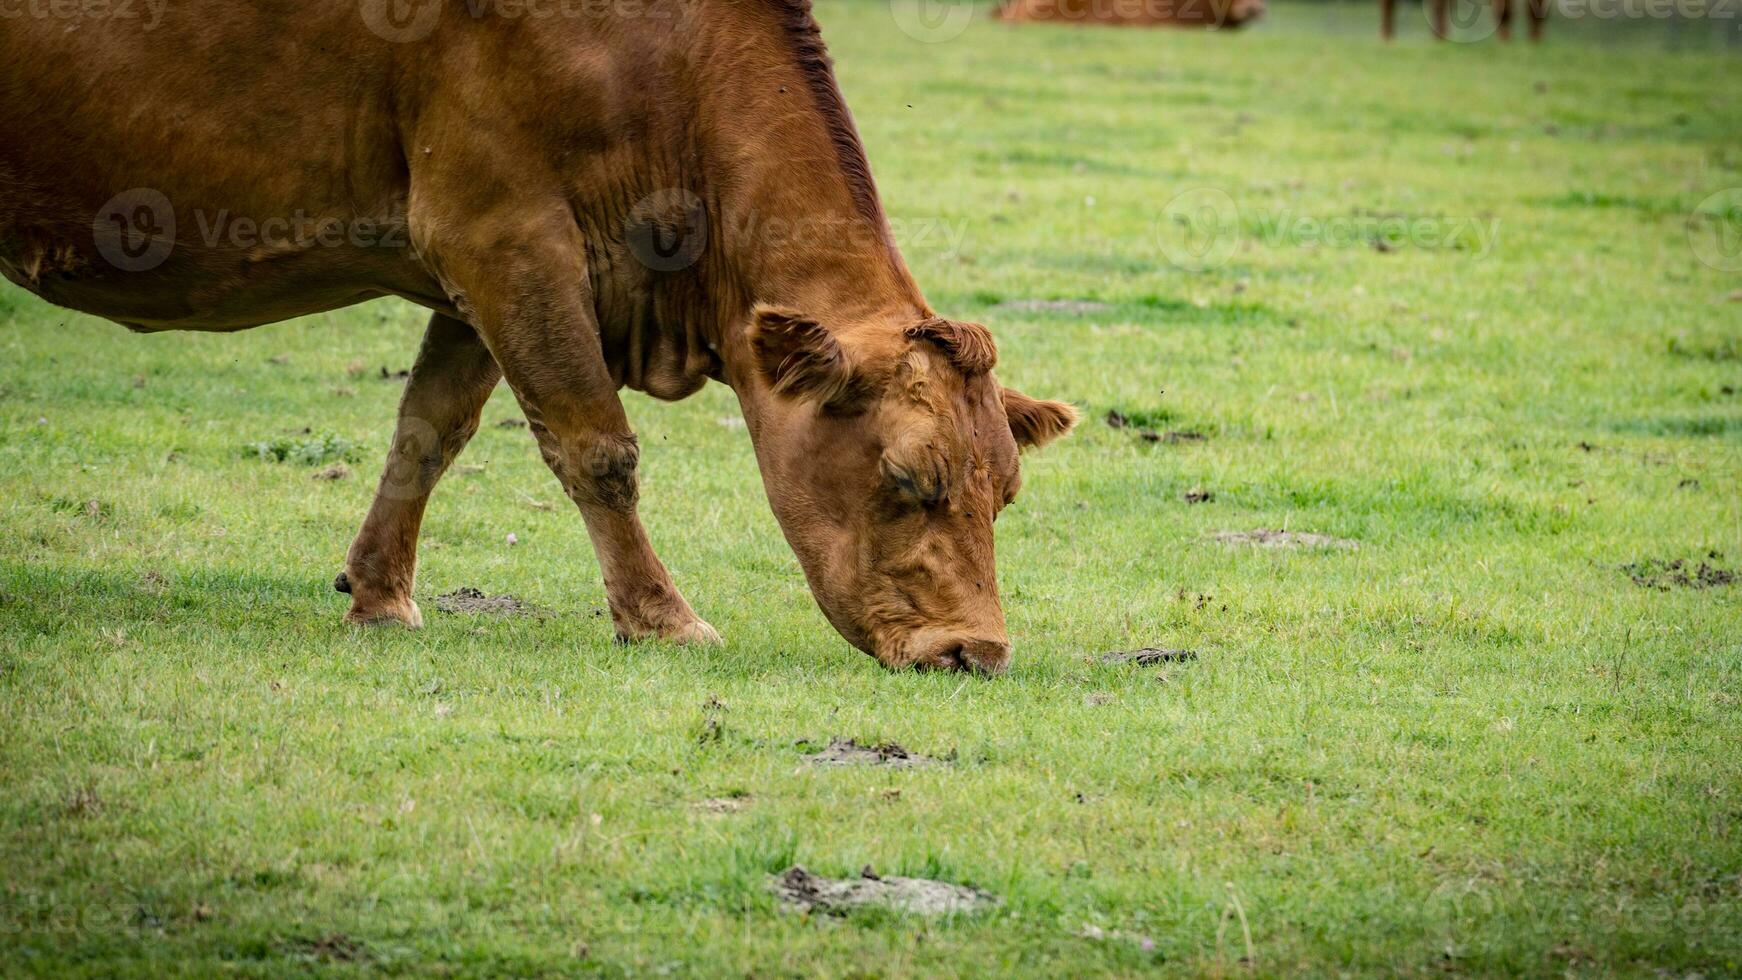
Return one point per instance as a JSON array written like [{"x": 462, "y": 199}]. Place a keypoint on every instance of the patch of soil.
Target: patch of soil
[
  {"x": 848, "y": 752},
  {"x": 1072, "y": 306},
  {"x": 1097, "y": 934},
  {"x": 1174, "y": 437},
  {"x": 84, "y": 802},
  {"x": 334, "y": 948},
  {"x": 337, "y": 471},
  {"x": 511, "y": 423},
  {"x": 1150, "y": 656},
  {"x": 473, "y": 602},
  {"x": 721, "y": 805},
  {"x": 1655, "y": 573},
  {"x": 1264, "y": 538},
  {"x": 803, "y": 891}
]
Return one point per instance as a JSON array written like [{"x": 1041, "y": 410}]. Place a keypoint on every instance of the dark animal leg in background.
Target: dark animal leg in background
[
  {"x": 1440, "y": 28},
  {"x": 1538, "y": 10},
  {"x": 1387, "y": 19},
  {"x": 1503, "y": 19},
  {"x": 438, "y": 414}
]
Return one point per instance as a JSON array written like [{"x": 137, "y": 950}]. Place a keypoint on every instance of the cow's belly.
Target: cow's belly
[{"x": 195, "y": 287}]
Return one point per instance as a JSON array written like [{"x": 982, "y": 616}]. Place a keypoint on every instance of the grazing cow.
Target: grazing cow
[
  {"x": 1440, "y": 22},
  {"x": 1135, "y": 13},
  {"x": 588, "y": 196}
]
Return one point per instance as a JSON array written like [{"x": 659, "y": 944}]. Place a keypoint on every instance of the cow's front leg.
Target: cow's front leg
[
  {"x": 527, "y": 293},
  {"x": 449, "y": 384}
]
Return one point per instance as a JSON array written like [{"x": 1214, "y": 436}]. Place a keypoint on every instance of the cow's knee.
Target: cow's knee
[{"x": 602, "y": 471}]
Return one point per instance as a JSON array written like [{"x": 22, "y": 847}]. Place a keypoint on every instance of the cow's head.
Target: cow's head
[{"x": 887, "y": 452}]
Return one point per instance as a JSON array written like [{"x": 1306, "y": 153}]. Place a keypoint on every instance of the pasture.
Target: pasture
[{"x": 1472, "y": 315}]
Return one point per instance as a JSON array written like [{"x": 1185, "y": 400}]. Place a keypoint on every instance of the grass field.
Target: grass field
[{"x": 1473, "y": 743}]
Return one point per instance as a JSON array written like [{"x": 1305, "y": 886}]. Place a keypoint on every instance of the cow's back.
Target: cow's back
[{"x": 202, "y": 163}]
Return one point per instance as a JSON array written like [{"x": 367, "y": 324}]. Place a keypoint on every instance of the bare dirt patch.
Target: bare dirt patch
[
  {"x": 1656, "y": 573},
  {"x": 1265, "y": 538},
  {"x": 721, "y": 805},
  {"x": 801, "y": 890},
  {"x": 1149, "y": 657},
  {"x": 473, "y": 602},
  {"x": 848, "y": 752},
  {"x": 1174, "y": 437},
  {"x": 334, "y": 948},
  {"x": 337, "y": 471}
]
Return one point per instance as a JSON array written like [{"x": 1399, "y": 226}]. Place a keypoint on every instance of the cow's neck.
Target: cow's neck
[{"x": 803, "y": 227}]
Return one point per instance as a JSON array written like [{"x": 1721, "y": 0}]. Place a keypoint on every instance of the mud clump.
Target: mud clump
[
  {"x": 1655, "y": 573},
  {"x": 848, "y": 752},
  {"x": 470, "y": 601},
  {"x": 1149, "y": 657},
  {"x": 1174, "y": 437},
  {"x": 802, "y": 891},
  {"x": 1263, "y": 538}
]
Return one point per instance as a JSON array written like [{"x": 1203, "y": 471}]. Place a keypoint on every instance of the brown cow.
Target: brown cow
[
  {"x": 589, "y": 195},
  {"x": 1135, "y": 13}
]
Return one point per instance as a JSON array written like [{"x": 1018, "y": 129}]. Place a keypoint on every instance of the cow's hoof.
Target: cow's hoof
[
  {"x": 404, "y": 614},
  {"x": 698, "y": 633},
  {"x": 693, "y": 633}
]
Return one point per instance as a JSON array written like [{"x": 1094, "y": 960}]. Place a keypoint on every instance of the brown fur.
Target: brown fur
[{"x": 514, "y": 173}]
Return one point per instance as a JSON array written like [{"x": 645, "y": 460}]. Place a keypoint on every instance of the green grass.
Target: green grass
[{"x": 1472, "y": 745}]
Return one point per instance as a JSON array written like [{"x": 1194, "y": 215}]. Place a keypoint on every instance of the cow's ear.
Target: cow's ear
[
  {"x": 1034, "y": 422},
  {"x": 798, "y": 356},
  {"x": 969, "y": 345}
]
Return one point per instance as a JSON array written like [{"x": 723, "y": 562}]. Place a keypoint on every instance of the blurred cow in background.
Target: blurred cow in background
[
  {"x": 1135, "y": 13},
  {"x": 1439, "y": 20}
]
